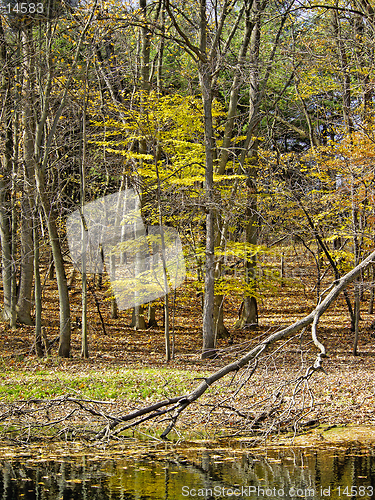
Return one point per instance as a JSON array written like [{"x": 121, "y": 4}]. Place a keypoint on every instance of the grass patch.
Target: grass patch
[{"x": 125, "y": 384}]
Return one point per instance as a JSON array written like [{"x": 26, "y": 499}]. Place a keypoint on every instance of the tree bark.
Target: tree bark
[
  {"x": 165, "y": 278},
  {"x": 23, "y": 306},
  {"x": 65, "y": 326},
  {"x": 249, "y": 313},
  {"x": 221, "y": 331},
  {"x": 234, "y": 92},
  {"x": 37, "y": 293},
  {"x": 139, "y": 316},
  {"x": 42, "y": 146},
  {"x": 343, "y": 59},
  {"x": 356, "y": 317},
  {"x": 145, "y": 48},
  {"x": 205, "y": 78},
  {"x": 84, "y": 229},
  {"x": 151, "y": 319},
  {"x": 27, "y": 248},
  {"x": 6, "y": 184}
]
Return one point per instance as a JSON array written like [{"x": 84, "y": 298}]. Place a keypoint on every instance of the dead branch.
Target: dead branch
[
  {"x": 280, "y": 408},
  {"x": 178, "y": 404}
]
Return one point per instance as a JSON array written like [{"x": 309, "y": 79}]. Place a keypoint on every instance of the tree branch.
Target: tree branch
[{"x": 184, "y": 401}]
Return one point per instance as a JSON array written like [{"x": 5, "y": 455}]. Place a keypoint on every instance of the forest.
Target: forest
[{"x": 194, "y": 182}]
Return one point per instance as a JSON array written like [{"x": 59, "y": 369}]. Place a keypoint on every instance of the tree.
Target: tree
[
  {"x": 40, "y": 119},
  {"x": 42, "y": 147},
  {"x": 7, "y": 191},
  {"x": 208, "y": 56},
  {"x": 333, "y": 105}
]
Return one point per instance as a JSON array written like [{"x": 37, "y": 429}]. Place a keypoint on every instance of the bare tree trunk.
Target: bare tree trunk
[
  {"x": 208, "y": 65},
  {"x": 357, "y": 292},
  {"x": 114, "y": 308},
  {"x": 42, "y": 147},
  {"x": 159, "y": 68},
  {"x": 234, "y": 92},
  {"x": 151, "y": 319},
  {"x": 23, "y": 306},
  {"x": 51, "y": 268},
  {"x": 7, "y": 222},
  {"x": 84, "y": 343},
  {"x": 112, "y": 273},
  {"x": 139, "y": 314},
  {"x": 163, "y": 255},
  {"x": 37, "y": 292},
  {"x": 8, "y": 265},
  {"x": 145, "y": 48},
  {"x": 140, "y": 322},
  {"x": 345, "y": 73},
  {"x": 356, "y": 317},
  {"x": 249, "y": 313},
  {"x": 44, "y": 134},
  {"x": 282, "y": 270},
  {"x": 209, "y": 340},
  {"x": 139, "y": 317},
  {"x": 65, "y": 327},
  {"x": 372, "y": 293},
  {"x": 221, "y": 331},
  {"x": 27, "y": 248}
]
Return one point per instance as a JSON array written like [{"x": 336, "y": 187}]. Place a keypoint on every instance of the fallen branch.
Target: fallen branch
[
  {"x": 178, "y": 404},
  {"x": 19, "y": 418}
]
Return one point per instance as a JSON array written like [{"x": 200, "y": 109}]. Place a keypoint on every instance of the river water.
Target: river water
[{"x": 200, "y": 470}]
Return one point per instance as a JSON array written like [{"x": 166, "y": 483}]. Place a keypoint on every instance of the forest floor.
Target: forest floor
[{"x": 126, "y": 369}]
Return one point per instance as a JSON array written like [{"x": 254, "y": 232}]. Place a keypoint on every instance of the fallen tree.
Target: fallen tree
[
  {"x": 175, "y": 406},
  {"x": 66, "y": 416}
]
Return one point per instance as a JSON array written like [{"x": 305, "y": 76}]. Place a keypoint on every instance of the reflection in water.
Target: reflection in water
[{"x": 217, "y": 473}]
